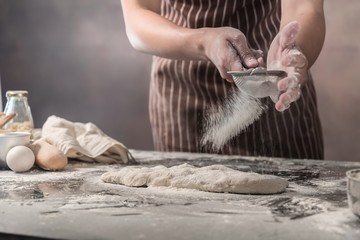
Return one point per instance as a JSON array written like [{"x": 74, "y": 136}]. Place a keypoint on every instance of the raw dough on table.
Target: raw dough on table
[{"x": 215, "y": 178}]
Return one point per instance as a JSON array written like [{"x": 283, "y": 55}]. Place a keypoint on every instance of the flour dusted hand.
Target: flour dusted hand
[
  {"x": 228, "y": 49},
  {"x": 285, "y": 55},
  {"x": 215, "y": 178}
]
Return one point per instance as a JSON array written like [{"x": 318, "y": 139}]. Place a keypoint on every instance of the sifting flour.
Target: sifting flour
[{"x": 230, "y": 118}]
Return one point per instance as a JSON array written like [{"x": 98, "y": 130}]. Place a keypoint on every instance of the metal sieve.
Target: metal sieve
[
  {"x": 353, "y": 190},
  {"x": 259, "y": 82}
]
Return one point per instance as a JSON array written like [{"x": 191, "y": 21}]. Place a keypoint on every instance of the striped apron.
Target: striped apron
[{"x": 181, "y": 90}]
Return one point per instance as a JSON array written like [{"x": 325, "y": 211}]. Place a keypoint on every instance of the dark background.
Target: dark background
[{"x": 75, "y": 60}]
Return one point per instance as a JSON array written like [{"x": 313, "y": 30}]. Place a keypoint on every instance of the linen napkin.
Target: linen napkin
[{"x": 84, "y": 141}]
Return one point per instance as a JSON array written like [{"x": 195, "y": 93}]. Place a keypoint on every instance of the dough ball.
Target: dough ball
[{"x": 20, "y": 159}]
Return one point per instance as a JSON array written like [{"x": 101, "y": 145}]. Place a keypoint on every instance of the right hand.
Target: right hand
[{"x": 228, "y": 49}]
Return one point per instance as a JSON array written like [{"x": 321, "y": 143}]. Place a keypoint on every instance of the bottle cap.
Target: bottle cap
[{"x": 17, "y": 93}]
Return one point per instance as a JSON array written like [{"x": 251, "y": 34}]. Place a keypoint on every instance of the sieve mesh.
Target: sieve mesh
[{"x": 259, "y": 82}]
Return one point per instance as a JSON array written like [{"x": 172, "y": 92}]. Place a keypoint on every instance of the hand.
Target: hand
[
  {"x": 227, "y": 48},
  {"x": 285, "y": 55}
]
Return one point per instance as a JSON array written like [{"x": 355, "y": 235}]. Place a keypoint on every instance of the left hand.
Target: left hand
[{"x": 285, "y": 55}]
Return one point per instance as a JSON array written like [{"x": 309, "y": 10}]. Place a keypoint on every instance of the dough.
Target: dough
[{"x": 215, "y": 178}]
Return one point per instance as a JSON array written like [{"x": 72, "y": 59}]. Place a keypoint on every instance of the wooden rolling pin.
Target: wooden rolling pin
[{"x": 48, "y": 156}]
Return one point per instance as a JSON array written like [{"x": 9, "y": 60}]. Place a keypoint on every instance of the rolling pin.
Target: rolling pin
[{"x": 48, "y": 156}]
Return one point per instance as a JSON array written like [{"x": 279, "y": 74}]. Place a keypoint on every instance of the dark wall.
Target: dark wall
[
  {"x": 75, "y": 60},
  {"x": 337, "y": 79}
]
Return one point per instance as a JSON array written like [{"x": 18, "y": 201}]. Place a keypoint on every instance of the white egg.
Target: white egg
[{"x": 20, "y": 159}]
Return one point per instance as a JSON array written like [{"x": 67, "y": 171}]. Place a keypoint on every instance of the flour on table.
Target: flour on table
[{"x": 215, "y": 178}]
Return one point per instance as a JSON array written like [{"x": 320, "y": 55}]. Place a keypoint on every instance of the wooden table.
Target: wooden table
[{"x": 76, "y": 204}]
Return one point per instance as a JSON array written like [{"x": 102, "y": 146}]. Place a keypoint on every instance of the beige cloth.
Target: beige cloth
[{"x": 84, "y": 141}]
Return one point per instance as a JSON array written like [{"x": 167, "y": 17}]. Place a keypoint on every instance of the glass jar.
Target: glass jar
[{"x": 17, "y": 102}]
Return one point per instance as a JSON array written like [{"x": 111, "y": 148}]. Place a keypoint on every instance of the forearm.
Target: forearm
[
  {"x": 310, "y": 15},
  {"x": 151, "y": 33}
]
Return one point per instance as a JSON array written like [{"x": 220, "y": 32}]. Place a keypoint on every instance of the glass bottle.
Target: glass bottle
[{"x": 17, "y": 101}]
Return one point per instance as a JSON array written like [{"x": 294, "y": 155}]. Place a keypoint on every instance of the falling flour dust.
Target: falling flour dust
[{"x": 230, "y": 118}]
